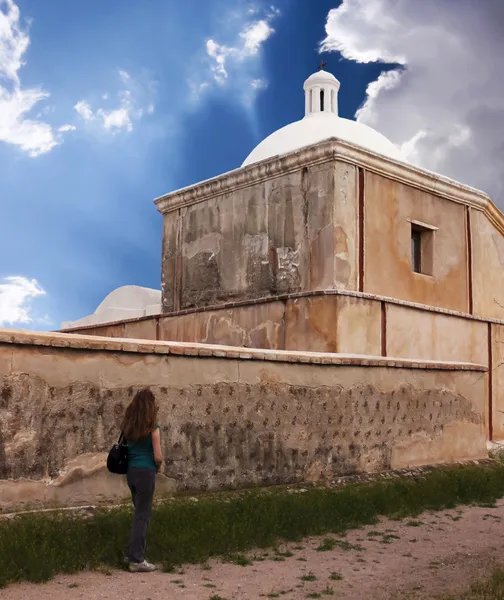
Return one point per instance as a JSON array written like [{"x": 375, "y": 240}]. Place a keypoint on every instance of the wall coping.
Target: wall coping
[
  {"x": 16, "y": 337},
  {"x": 286, "y": 297},
  {"x": 331, "y": 150}
]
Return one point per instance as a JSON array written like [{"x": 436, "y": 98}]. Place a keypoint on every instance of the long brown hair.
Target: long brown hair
[{"x": 141, "y": 415}]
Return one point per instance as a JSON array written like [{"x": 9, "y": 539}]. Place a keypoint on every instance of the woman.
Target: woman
[{"x": 141, "y": 431}]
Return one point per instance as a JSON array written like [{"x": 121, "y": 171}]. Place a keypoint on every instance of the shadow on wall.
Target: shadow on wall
[{"x": 85, "y": 480}]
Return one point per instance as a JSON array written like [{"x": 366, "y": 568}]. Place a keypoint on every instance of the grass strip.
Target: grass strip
[
  {"x": 36, "y": 547},
  {"x": 491, "y": 588}
]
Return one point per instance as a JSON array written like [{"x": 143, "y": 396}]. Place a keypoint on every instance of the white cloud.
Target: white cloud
[
  {"x": 259, "y": 84},
  {"x": 130, "y": 107},
  {"x": 65, "y": 128},
  {"x": 16, "y": 294},
  {"x": 236, "y": 63},
  {"x": 84, "y": 110},
  {"x": 33, "y": 136},
  {"x": 444, "y": 104},
  {"x": 254, "y": 36},
  {"x": 219, "y": 54}
]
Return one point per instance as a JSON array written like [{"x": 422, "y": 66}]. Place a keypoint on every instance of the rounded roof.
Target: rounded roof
[
  {"x": 321, "y": 77},
  {"x": 126, "y": 302},
  {"x": 129, "y": 297},
  {"x": 317, "y": 128}
]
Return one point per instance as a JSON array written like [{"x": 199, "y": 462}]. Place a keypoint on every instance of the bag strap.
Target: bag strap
[{"x": 121, "y": 438}]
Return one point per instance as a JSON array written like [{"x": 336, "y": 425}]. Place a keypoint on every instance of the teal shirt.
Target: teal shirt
[{"x": 141, "y": 454}]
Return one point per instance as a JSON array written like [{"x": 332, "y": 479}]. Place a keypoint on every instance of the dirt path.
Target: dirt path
[{"x": 438, "y": 553}]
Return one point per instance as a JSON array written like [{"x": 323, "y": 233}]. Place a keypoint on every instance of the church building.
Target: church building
[{"x": 327, "y": 240}]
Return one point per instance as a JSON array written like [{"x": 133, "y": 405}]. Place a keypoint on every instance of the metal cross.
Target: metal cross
[{"x": 322, "y": 65}]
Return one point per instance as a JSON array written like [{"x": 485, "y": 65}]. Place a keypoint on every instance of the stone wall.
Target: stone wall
[{"x": 232, "y": 417}]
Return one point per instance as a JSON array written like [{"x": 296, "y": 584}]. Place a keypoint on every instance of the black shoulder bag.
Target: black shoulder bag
[{"x": 117, "y": 460}]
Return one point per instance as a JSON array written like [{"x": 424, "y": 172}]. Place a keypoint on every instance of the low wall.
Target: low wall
[
  {"x": 339, "y": 321},
  {"x": 229, "y": 416}
]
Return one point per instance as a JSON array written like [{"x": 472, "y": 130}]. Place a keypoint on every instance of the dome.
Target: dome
[
  {"x": 320, "y": 77},
  {"x": 126, "y": 302},
  {"x": 320, "y": 123}
]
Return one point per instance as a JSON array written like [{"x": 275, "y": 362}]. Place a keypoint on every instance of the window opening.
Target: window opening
[
  {"x": 322, "y": 100},
  {"x": 422, "y": 248},
  {"x": 416, "y": 250}
]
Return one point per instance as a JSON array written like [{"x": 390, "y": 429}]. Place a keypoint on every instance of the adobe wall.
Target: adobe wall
[
  {"x": 229, "y": 417},
  {"x": 331, "y": 216},
  {"x": 291, "y": 233},
  {"x": 497, "y": 381},
  {"x": 487, "y": 267},
  {"x": 388, "y": 207},
  {"x": 344, "y": 322}
]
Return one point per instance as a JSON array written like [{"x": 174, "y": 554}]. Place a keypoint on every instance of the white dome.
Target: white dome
[
  {"x": 312, "y": 130},
  {"x": 320, "y": 123},
  {"x": 126, "y": 302},
  {"x": 321, "y": 77}
]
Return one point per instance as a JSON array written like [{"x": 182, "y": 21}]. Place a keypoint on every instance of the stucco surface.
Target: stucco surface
[
  {"x": 422, "y": 334},
  {"x": 488, "y": 267},
  {"x": 498, "y": 382},
  {"x": 256, "y": 326},
  {"x": 228, "y": 421},
  {"x": 294, "y": 232},
  {"x": 359, "y": 325},
  {"x": 387, "y": 254},
  {"x": 170, "y": 262},
  {"x": 333, "y": 324}
]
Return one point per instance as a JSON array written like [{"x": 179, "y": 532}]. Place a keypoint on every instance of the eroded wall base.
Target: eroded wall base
[{"x": 229, "y": 417}]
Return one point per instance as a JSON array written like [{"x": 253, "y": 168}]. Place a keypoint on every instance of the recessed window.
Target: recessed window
[
  {"x": 422, "y": 247},
  {"x": 416, "y": 249},
  {"x": 322, "y": 100}
]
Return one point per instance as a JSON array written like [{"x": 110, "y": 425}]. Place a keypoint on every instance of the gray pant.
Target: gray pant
[{"x": 141, "y": 483}]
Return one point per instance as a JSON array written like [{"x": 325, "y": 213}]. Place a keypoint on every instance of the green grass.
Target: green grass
[
  {"x": 491, "y": 588},
  {"x": 37, "y": 547},
  {"x": 414, "y": 523},
  {"x": 344, "y": 545},
  {"x": 327, "y": 545},
  {"x": 238, "y": 559}
]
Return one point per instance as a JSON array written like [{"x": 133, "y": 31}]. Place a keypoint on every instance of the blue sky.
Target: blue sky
[{"x": 136, "y": 99}]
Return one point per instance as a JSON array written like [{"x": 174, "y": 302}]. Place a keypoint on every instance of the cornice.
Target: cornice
[{"x": 327, "y": 151}]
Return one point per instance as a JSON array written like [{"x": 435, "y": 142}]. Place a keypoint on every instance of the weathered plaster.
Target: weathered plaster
[
  {"x": 422, "y": 334},
  {"x": 229, "y": 417},
  {"x": 498, "y": 382},
  {"x": 488, "y": 267},
  {"x": 311, "y": 324},
  {"x": 387, "y": 252},
  {"x": 359, "y": 326},
  {"x": 295, "y": 232},
  {"x": 83, "y": 481}
]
